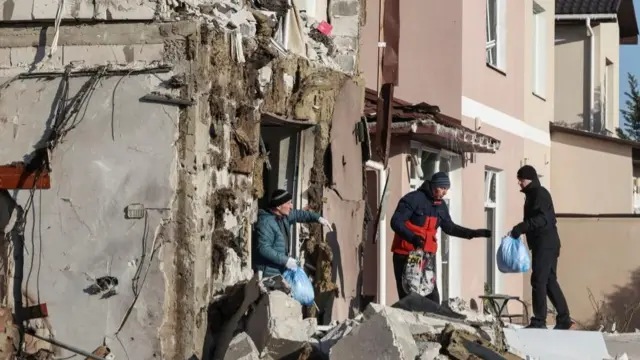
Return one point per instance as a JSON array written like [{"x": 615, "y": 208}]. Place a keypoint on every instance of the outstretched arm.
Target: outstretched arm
[
  {"x": 452, "y": 229},
  {"x": 303, "y": 216}
]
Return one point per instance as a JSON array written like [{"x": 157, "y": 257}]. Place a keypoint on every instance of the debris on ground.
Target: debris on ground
[{"x": 273, "y": 327}]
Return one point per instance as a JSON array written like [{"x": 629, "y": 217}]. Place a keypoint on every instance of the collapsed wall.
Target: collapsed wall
[{"x": 218, "y": 176}]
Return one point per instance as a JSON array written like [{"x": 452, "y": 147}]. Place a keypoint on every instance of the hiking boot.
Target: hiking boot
[{"x": 569, "y": 325}]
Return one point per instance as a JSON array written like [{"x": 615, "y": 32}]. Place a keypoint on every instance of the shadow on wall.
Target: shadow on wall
[
  {"x": 620, "y": 308},
  {"x": 599, "y": 125}
]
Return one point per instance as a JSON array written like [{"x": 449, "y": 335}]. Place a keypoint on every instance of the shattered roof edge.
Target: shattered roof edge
[{"x": 468, "y": 136}]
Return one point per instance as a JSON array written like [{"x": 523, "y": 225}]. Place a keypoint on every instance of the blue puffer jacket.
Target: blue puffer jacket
[{"x": 271, "y": 251}]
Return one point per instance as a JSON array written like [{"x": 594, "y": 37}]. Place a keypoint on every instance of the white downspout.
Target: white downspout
[
  {"x": 592, "y": 68},
  {"x": 382, "y": 231},
  {"x": 588, "y": 18}
]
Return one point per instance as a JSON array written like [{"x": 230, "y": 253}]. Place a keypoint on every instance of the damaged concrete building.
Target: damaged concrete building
[{"x": 139, "y": 138}]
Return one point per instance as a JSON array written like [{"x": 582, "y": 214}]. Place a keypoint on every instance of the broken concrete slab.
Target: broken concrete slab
[
  {"x": 242, "y": 348},
  {"x": 416, "y": 302},
  {"x": 382, "y": 336},
  {"x": 335, "y": 334},
  {"x": 429, "y": 350},
  {"x": 619, "y": 344},
  {"x": 548, "y": 344},
  {"x": 463, "y": 345},
  {"x": 418, "y": 323},
  {"x": 276, "y": 325}
]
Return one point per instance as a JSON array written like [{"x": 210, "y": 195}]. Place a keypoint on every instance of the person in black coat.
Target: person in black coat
[{"x": 539, "y": 226}]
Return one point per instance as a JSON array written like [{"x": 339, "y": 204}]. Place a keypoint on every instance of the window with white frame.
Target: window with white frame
[
  {"x": 539, "y": 73},
  {"x": 496, "y": 34},
  {"x": 607, "y": 97},
  {"x": 490, "y": 210}
]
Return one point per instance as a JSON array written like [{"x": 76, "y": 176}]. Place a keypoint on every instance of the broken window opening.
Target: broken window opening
[{"x": 281, "y": 141}]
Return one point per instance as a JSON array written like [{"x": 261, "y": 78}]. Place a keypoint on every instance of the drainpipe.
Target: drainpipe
[
  {"x": 592, "y": 52},
  {"x": 592, "y": 67},
  {"x": 382, "y": 239}
]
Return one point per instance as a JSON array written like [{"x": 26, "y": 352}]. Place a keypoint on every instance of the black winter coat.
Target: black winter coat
[{"x": 539, "y": 218}]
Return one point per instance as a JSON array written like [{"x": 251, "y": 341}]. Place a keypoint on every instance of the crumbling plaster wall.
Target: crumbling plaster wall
[{"x": 76, "y": 231}]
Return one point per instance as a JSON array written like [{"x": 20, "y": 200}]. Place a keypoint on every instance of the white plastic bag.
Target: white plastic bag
[
  {"x": 513, "y": 256},
  {"x": 419, "y": 275}
]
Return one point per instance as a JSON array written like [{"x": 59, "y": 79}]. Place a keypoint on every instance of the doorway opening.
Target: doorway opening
[
  {"x": 281, "y": 140},
  {"x": 423, "y": 163}
]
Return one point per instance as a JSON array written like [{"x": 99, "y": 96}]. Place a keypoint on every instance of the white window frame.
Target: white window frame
[
  {"x": 500, "y": 42},
  {"x": 498, "y": 214},
  {"x": 607, "y": 91},
  {"x": 539, "y": 66}
]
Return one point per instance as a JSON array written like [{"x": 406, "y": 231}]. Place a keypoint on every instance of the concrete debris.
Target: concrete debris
[
  {"x": 381, "y": 336},
  {"x": 242, "y": 348},
  {"x": 275, "y": 329},
  {"x": 306, "y": 36},
  {"x": 276, "y": 325}
]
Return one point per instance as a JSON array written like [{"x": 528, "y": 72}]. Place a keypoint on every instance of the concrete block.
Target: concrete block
[
  {"x": 147, "y": 52},
  {"x": 345, "y": 8},
  {"x": 242, "y": 348},
  {"x": 276, "y": 325},
  {"x": 118, "y": 54},
  {"x": 548, "y": 344},
  {"x": 346, "y": 62},
  {"x": 346, "y": 26},
  {"x": 15, "y": 10},
  {"x": 417, "y": 323},
  {"x": 381, "y": 336},
  {"x": 47, "y": 9},
  {"x": 94, "y": 55},
  {"x": 32, "y": 56},
  {"x": 618, "y": 344},
  {"x": 5, "y": 58},
  {"x": 334, "y": 335},
  {"x": 125, "y": 10},
  {"x": 429, "y": 350}
]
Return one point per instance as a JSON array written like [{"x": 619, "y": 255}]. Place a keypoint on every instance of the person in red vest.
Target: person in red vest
[{"x": 416, "y": 221}]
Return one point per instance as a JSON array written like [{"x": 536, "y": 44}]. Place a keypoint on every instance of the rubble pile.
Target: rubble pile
[
  {"x": 290, "y": 29},
  {"x": 274, "y": 328}
]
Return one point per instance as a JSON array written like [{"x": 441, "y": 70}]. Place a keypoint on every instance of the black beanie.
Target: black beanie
[
  {"x": 527, "y": 172},
  {"x": 279, "y": 197},
  {"x": 441, "y": 180}
]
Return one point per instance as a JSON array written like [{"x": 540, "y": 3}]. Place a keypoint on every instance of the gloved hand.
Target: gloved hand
[
  {"x": 484, "y": 233},
  {"x": 417, "y": 241},
  {"x": 292, "y": 264},
  {"x": 325, "y": 222},
  {"x": 516, "y": 231}
]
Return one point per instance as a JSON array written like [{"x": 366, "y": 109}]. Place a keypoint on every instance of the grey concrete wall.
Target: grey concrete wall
[
  {"x": 38, "y": 10},
  {"x": 77, "y": 229}
]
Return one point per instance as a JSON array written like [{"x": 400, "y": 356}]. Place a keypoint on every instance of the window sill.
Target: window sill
[
  {"x": 539, "y": 96},
  {"x": 497, "y": 69}
]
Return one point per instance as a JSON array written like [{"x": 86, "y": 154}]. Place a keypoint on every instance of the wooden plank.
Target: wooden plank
[{"x": 16, "y": 177}]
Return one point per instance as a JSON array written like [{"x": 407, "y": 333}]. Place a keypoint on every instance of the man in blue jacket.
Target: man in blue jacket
[{"x": 273, "y": 233}]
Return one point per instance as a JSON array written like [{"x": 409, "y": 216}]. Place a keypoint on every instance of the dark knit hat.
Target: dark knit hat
[
  {"x": 527, "y": 172},
  {"x": 279, "y": 197},
  {"x": 441, "y": 180}
]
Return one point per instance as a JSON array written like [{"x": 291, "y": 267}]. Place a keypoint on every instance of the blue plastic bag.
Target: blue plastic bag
[
  {"x": 301, "y": 287},
  {"x": 513, "y": 256}
]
